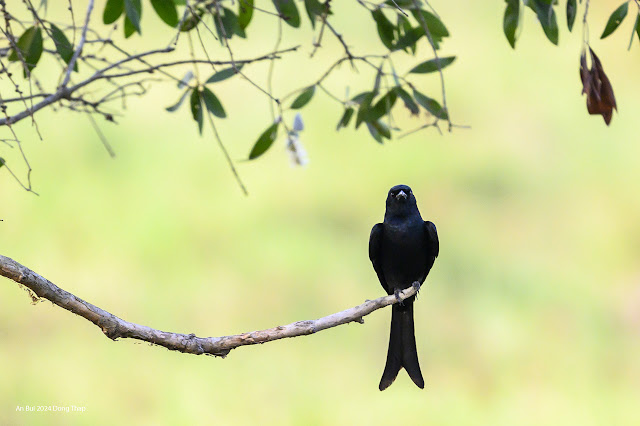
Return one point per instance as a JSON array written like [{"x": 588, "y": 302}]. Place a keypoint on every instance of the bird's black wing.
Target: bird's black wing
[
  {"x": 432, "y": 234},
  {"x": 375, "y": 253}
]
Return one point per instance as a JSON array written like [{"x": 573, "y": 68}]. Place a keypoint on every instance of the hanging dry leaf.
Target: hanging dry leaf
[{"x": 596, "y": 85}]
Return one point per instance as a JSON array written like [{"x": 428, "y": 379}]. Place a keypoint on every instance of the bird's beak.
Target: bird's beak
[{"x": 402, "y": 195}]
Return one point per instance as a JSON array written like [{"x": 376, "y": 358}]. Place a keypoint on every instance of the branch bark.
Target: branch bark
[{"x": 117, "y": 328}]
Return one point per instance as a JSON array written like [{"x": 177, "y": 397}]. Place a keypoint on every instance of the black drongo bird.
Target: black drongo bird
[{"x": 402, "y": 250}]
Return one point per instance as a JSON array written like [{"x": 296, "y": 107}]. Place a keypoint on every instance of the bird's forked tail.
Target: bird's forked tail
[{"x": 402, "y": 347}]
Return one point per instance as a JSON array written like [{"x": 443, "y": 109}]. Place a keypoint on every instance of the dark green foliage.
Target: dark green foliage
[
  {"x": 196, "y": 108},
  {"x": 511, "y": 20},
  {"x": 615, "y": 19},
  {"x": 265, "y": 141},
  {"x": 572, "y": 8},
  {"x": 303, "y": 98},
  {"x": 166, "y": 10},
  {"x": 546, "y": 17},
  {"x": 386, "y": 30},
  {"x": 314, "y": 10},
  {"x": 63, "y": 46},
  {"x": 430, "y": 105},
  {"x": 432, "y": 65},
  {"x": 408, "y": 100},
  {"x": 245, "y": 13},
  {"x": 223, "y": 74},
  {"x": 212, "y": 103},
  {"x": 289, "y": 11},
  {"x": 396, "y": 30},
  {"x": 30, "y": 46},
  {"x": 112, "y": 11},
  {"x": 346, "y": 117},
  {"x": 133, "y": 12}
]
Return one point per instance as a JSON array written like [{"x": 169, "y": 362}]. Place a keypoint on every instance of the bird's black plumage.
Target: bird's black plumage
[{"x": 402, "y": 250}]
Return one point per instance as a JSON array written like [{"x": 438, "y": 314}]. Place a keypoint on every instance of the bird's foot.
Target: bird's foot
[
  {"x": 417, "y": 286},
  {"x": 398, "y": 298}
]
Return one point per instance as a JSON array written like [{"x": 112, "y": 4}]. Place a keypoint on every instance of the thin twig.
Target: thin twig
[
  {"x": 78, "y": 50},
  {"x": 435, "y": 52},
  {"x": 226, "y": 155}
]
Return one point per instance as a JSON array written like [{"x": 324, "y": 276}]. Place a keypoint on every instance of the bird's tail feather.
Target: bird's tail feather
[{"x": 402, "y": 350}]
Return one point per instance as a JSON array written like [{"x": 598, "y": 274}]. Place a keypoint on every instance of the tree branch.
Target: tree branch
[
  {"x": 78, "y": 50},
  {"x": 65, "y": 92},
  {"x": 115, "y": 328}
]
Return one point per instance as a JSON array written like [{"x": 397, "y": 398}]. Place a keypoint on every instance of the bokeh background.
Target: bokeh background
[{"x": 531, "y": 314}]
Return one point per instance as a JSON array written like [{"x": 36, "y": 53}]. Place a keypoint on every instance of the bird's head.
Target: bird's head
[{"x": 401, "y": 201}]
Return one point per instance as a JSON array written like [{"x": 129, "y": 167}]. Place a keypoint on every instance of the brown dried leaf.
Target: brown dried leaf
[{"x": 597, "y": 87}]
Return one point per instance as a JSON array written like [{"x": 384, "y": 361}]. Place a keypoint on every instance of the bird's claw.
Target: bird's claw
[
  {"x": 417, "y": 286},
  {"x": 398, "y": 298}
]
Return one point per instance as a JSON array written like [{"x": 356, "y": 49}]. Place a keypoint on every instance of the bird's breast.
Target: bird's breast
[{"x": 404, "y": 254}]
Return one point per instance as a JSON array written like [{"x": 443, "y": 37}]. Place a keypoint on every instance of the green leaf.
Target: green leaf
[
  {"x": 365, "y": 106},
  {"x": 230, "y": 25},
  {"x": 133, "y": 10},
  {"x": 432, "y": 65},
  {"x": 288, "y": 11},
  {"x": 175, "y": 106},
  {"x": 386, "y": 30},
  {"x": 435, "y": 25},
  {"x": 346, "y": 117},
  {"x": 410, "y": 38},
  {"x": 408, "y": 100},
  {"x": 304, "y": 97},
  {"x": 2, "y": 161},
  {"x": 112, "y": 11},
  {"x": 382, "y": 128},
  {"x": 314, "y": 9},
  {"x": 245, "y": 13},
  {"x": 192, "y": 21},
  {"x": 382, "y": 107},
  {"x": 429, "y": 104},
  {"x": 511, "y": 19},
  {"x": 224, "y": 74},
  {"x": 572, "y": 8},
  {"x": 374, "y": 133},
  {"x": 378, "y": 131},
  {"x": 63, "y": 46},
  {"x": 638, "y": 26},
  {"x": 357, "y": 99},
  {"x": 128, "y": 29},
  {"x": 30, "y": 46},
  {"x": 402, "y": 28},
  {"x": 213, "y": 104},
  {"x": 615, "y": 19},
  {"x": 547, "y": 17},
  {"x": 376, "y": 84},
  {"x": 196, "y": 108},
  {"x": 166, "y": 10},
  {"x": 264, "y": 141}
]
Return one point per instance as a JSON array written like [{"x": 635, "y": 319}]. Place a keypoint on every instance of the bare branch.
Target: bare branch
[
  {"x": 78, "y": 50},
  {"x": 116, "y": 328}
]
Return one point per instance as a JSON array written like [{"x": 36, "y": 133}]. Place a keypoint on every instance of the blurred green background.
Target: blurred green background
[{"x": 531, "y": 314}]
